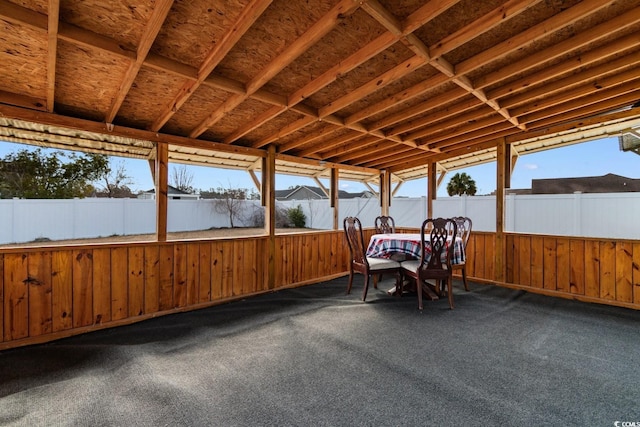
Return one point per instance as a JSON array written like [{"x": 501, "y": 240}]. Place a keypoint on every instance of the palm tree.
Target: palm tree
[{"x": 460, "y": 184}]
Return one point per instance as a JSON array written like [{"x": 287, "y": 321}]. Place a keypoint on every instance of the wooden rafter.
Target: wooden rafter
[
  {"x": 310, "y": 37},
  {"x": 52, "y": 49},
  {"x": 160, "y": 13},
  {"x": 244, "y": 21}
]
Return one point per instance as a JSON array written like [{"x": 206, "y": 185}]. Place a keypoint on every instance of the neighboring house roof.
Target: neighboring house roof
[
  {"x": 301, "y": 192},
  {"x": 305, "y": 192},
  {"x": 170, "y": 190},
  {"x": 609, "y": 183},
  {"x": 174, "y": 193}
]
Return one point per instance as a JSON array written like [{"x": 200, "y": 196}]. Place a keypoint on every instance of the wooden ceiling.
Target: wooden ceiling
[{"x": 368, "y": 84}]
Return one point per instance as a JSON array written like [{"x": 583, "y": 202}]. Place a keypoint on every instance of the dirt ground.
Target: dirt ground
[{"x": 183, "y": 235}]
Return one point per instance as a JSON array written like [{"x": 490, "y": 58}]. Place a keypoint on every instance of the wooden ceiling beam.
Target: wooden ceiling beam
[
  {"x": 579, "y": 96},
  {"x": 29, "y": 18},
  {"x": 361, "y": 56},
  {"x": 326, "y": 78},
  {"x": 382, "y": 157},
  {"x": 423, "y": 159},
  {"x": 599, "y": 76},
  {"x": 23, "y": 101},
  {"x": 347, "y": 147},
  {"x": 440, "y": 112},
  {"x": 476, "y": 117},
  {"x": 575, "y": 119},
  {"x": 314, "y": 147},
  {"x": 22, "y": 16},
  {"x": 81, "y": 37},
  {"x": 46, "y": 118},
  {"x": 571, "y": 44},
  {"x": 387, "y": 20},
  {"x": 596, "y": 103},
  {"x": 398, "y": 98},
  {"x": 295, "y": 49},
  {"x": 396, "y": 73},
  {"x": 525, "y": 38},
  {"x": 218, "y": 51},
  {"x": 485, "y": 23},
  {"x": 149, "y": 35},
  {"x": 438, "y": 140},
  {"x": 581, "y": 118},
  {"x": 426, "y": 12},
  {"x": 487, "y": 128},
  {"x": 394, "y": 26},
  {"x": 52, "y": 49},
  {"x": 257, "y": 121}
]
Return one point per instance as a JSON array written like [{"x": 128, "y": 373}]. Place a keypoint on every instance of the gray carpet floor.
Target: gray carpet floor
[{"x": 315, "y": 356}]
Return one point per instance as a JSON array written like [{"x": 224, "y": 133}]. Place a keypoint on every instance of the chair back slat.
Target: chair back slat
[
  {"x": 464, "y": 225},
  {"x": 437, "y": 232},
  {"x": 355, "y": 239},
  {"x": 385, "y": 225}
]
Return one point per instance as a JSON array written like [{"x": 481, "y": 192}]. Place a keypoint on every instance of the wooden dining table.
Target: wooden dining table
[{"x": 388, "y": 244}]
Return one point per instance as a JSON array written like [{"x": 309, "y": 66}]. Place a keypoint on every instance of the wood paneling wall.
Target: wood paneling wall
[
  {"x": 587, "y": 269},
  {"x": 50, "y": 293}
]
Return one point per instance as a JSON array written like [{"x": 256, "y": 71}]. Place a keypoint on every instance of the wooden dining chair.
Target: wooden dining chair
[
  {"x": 464, "y": 225},
  {"x": 435, "y": 261},
  {"x": 360, "y": 263},
  {"x": 385, "y": 224}
]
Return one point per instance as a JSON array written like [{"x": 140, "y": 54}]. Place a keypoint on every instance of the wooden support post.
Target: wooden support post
[
  {"x": 268, "y": 200},
  {"x": 385, "y": 192},
  {"x": 161, "y": 183},
  {"x": 507, "y": 166},
  {"x": 502, "y": 171},
  {"x": 335, "y": 204},
  {"x": 432, "y": 188}
]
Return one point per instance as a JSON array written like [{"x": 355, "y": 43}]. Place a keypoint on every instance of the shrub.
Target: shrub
[
  {"x": 256, "y": 217},
  {"x": 297, "y": 217}
]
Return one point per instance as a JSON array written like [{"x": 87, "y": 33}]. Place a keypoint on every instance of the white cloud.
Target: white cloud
[{"x": 530, "y": 166}]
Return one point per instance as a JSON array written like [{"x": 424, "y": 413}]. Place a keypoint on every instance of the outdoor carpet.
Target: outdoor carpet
[{"x": 314, "y": 356}]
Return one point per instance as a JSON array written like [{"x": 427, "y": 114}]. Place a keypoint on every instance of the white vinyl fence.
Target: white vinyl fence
[{"x": 591, "y": 215}]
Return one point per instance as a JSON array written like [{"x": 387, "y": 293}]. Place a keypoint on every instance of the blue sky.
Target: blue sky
[{"x": 592, "y": 158}]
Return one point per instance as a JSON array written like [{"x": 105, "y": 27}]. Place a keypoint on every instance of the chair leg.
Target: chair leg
[
  {"x": 366, "y": 286},
  {"x": 464, "y": 279},
  {"x": 450, "y": 291},
  {"x": 350, "y": 281},
  {"x": 419, "y": 292}
]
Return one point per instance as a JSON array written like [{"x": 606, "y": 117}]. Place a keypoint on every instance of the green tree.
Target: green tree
[
  {"x": 31, "y": 174},
  {"x": 460, "y": 184}
]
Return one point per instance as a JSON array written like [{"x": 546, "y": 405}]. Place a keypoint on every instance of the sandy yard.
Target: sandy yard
[{"x": 184, "y": 235}]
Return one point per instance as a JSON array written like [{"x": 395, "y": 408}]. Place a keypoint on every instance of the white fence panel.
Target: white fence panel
[
  {"x": 546, "y": 214},
  {"x": 589, "y": 215},
  {"x": 610, "y": 215},
  {"x": 190, "y": 215},
  {"x": 408, "y": 212}
]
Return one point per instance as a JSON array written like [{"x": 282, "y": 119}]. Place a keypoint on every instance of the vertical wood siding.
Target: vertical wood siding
[
  {"x": 64, "y": 291},
  {"x": 595, "y": 270},
  {"x": 48, "y": 293}
]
